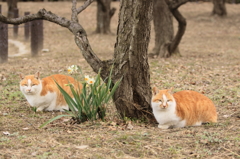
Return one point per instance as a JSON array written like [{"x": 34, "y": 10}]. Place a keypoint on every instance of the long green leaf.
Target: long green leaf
[
  {"x": 66, "y": 96},
  {"x": 113, "y": 90},
  {"x": 110, "y": 79},
  {"x": 51, "y": 120}
]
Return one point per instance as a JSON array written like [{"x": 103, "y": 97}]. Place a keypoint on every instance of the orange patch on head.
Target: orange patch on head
[
  {"x": 29, "y": 77},
  {"x": 160, "y": 93},
  {"x": 162, "y": 97}
]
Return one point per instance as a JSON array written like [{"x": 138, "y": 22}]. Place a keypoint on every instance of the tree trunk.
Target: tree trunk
[
  {"x": 133, "y": 97},
  {"x": 219, "y": 8},
  {"x": 104, "y": 15},
  {"x": 12, "y": 4},
  {"x": 163, "y": 26},
  {"x": 164, "y": 32},
  {"x": 3, "y": 41},
  {"x": 166, "y": 44}
]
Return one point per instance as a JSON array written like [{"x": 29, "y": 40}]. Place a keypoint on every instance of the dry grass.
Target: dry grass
[{"x": 210, "y": 64}]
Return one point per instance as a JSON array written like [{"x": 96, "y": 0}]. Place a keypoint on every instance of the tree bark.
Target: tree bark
[
  {"x": 219, "y": 8},
  {"x": 104, "y": 15},
  {"x": 12, "y": 4},
  {"x": 133, "y": 96}
]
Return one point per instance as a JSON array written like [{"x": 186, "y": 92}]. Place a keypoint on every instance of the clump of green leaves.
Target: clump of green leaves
[{"x": 88, "y": 103}]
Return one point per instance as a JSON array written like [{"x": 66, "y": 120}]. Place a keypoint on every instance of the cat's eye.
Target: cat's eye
[
  {"x": 33, "y": 84},
  {"x": 160, "y": 100},
  {"x": 168, "y": 100}
]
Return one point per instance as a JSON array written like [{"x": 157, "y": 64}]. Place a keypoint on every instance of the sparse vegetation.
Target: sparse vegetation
[{"x": 209, "y": 64}]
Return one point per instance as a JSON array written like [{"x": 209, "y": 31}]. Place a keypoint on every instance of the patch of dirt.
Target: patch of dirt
[{"x": 210, "y": 64}]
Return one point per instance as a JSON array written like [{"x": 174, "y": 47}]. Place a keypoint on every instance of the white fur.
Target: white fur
[
  {"x": 46, "y": 102},
  {"x": 167, "y": 117}
]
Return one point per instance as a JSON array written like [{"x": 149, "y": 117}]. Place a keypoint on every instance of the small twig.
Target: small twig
[
  {"x": 84, "y": 6},
  {"x": 231, "y": 151}
]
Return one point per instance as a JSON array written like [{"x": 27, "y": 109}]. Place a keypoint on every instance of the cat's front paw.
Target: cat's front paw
[
  {"x": 39, "y": 109},
  {"x": 163, "y": 126}
]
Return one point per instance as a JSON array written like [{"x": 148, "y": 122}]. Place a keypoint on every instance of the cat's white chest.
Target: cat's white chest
[
  {"x": 167, "y": 117},
  {"x": 42, "y": 102}
]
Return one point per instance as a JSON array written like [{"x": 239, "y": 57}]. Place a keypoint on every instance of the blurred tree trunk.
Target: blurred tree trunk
[
  {"x": 12, "y": 4},
  {"x": 163, "y": 26},
  {"x": 219, "y": 8},
  {"x": 133, "y": 97},
  {"x": 166, "y": 44},
  {"x": 104, "y": 15}
]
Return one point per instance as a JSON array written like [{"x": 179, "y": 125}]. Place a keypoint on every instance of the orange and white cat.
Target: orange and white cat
[
  {"x": 184, "y": 108},
  {"x": 44, "y": 93}
]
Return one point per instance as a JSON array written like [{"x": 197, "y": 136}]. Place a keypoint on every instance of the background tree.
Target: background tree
[
  {"x": 163, "y": 26},
  {"x": 12, "y": 4},
  {"x": 133, "y": 97},
  {"x": 104, "y": 15},
  {"x": 165, "y": 43},
  {"x": 219, "y": 8}
]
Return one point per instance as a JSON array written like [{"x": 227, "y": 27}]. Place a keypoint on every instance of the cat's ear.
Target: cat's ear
[
  {"x": 171, "y": 90},
  {"x": 21, "y": 76},
  {"x": 37, "y": 75},
  {"x": 154, "y": 91}
]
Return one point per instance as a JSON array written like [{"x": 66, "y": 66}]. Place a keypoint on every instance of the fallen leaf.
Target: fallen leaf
[
  {"x": 25, "y": 128},
  {"x": 129, "y": 126},
  {"x": 6, "y": 133},
  {"x": 82, "y": 147},
  {"x": 226, "y": 116},
  {"x": 45, "y": 50}
]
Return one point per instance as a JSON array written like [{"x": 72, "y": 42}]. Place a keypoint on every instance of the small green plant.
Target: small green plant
[
  {"x": 34, "y": 109},
  {"x": 88, "y": 103},
  {"x": 211, "y": 137}
]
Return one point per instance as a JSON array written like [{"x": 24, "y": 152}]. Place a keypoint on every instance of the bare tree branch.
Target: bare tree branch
[
  {"x": 82, "y": 42},
  {"x": 84, "y": 6},
  {"x": 181, "y": 30},
  {"x": 74, "y": 11},
  {"x": 174, "y": 4},
  {"x": 73, "y": 25},
  {"x": 42, "y": 14}
]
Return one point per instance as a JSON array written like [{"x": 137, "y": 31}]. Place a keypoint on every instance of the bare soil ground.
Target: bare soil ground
[{"x": 210, "y": 64}]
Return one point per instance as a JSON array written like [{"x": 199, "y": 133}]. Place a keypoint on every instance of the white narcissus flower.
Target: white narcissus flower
[
  {"x": 70, "y": 70},
  {"x": 86, "y": 77},
  {"x": 74, "y": 67},
  {"x": 91, "y": 81}
]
